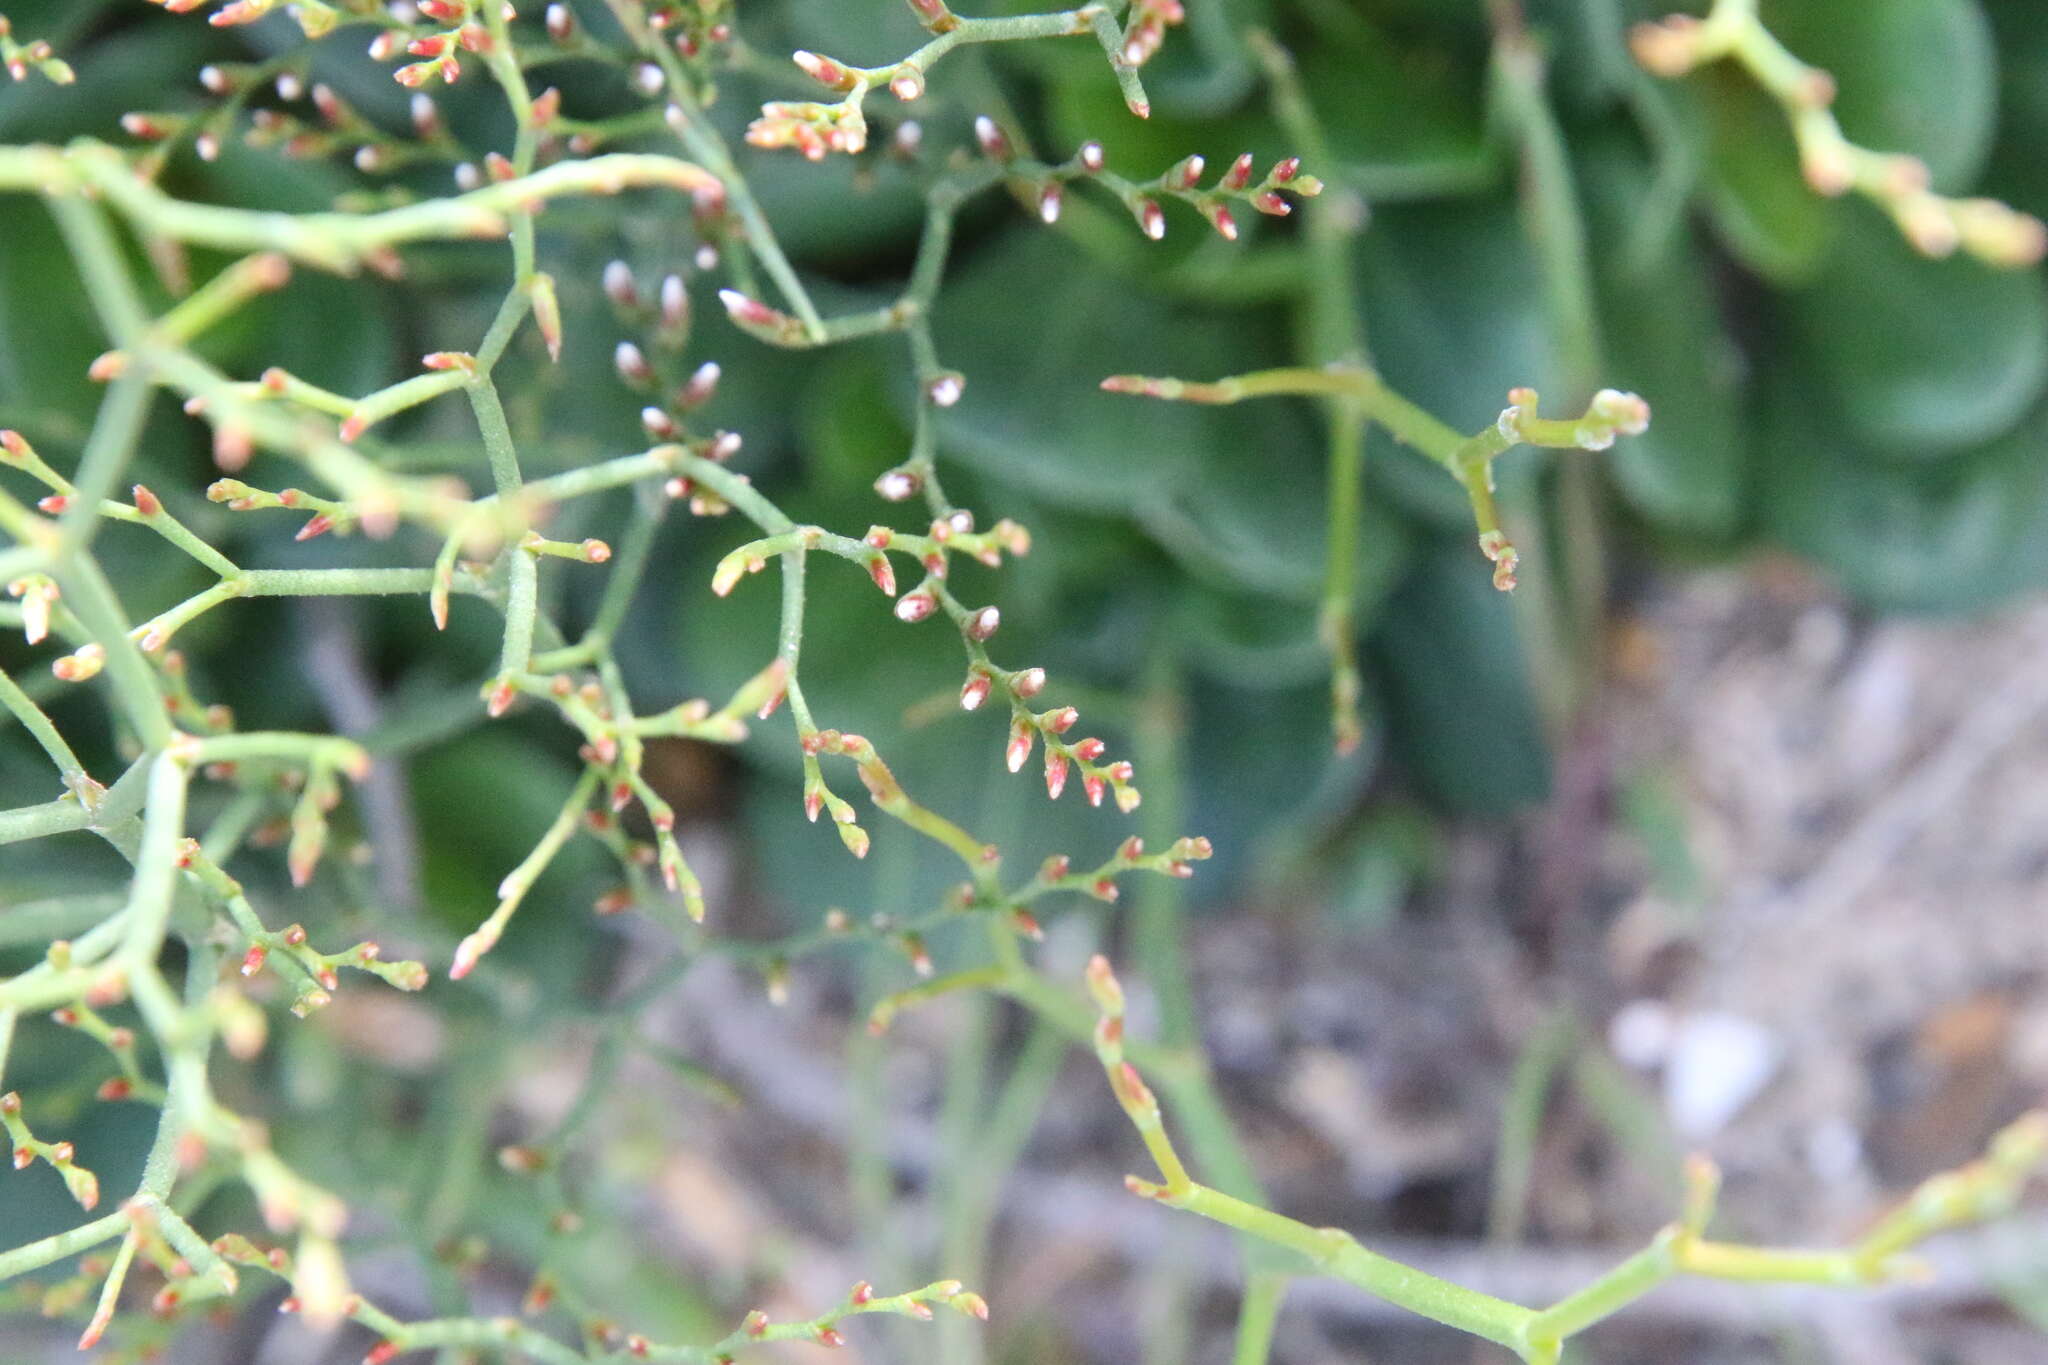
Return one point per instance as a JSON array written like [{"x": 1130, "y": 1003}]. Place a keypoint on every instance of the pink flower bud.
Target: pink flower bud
[
  {"x": 1151, "y": 219},
  {"x": 824, "y": 71},
  {"x": 1019, "y": 748},
  {"x": 1088, "y": 750},
  {"x": 1239, "y": 175},
  {"x": 885, "y": 576},
  {"x": 983, "y": 623},
  {"x": 1028, "y": 683},
  {"x": 658, "y": 424},
  {"x": 675, "y": 303},
  {"x": 1060, "y": 721},
  {"x": 1267, "y": 202},
  {"x": 632, "y": 365},
  {"x": 561, "y": 22},
  {"x": 975, "y": 691},
  {"x": 1094, "y": 787},
  {"x": 907, "y": 84},
  {"x": 994, "y": 141},
  {"x": 702, "y": 384},
  {"x": 1055, "y": 772},
  {"x": 1050, "y": 201},
  {"x": 619, "y": 286},
  {"x": 913, "y": 607},
  {"x": 1225, "y": 225},
  {"x": 1091, "y": 157},
  {"x": 1186, "y": 172},
  {"x": 898, "y": 486}
]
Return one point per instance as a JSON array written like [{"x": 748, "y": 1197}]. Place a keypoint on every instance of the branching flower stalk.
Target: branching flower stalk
[
  {"x": 1988, "y": 1188},
  {"x": 1935, "y": 224},
  {"x": 103, "y": 962},
  {"x": 181, "y": 889},
  {"x": 1468, "y": 459}
]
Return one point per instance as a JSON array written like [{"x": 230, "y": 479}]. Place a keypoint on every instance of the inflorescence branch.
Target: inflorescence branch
[
  {"x": 1935, "y": 224},
  {"x": 1988, "y": 1188}
]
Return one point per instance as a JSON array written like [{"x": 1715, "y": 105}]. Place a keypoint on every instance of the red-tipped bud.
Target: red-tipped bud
[
  {"x": 826, "y": 72},
  {"x": 884, "y": 575},
  {"x": 631, "y": 363},
  {"x": 994, "y": 141},
  {"x": 1091, "y": 157},
  {"x": 907, "y": 83},
  {"x": 974, "y": 691},
  {"x": 1019, "y": 748},
  {"x": 674, "y": 300},
  {"x": 619, "y": 286},
  {"x": 547, "y": 314},
  {"x": 1055, "y": 772},
  {"x": 915, "y": 606},
  {"x": 945, "y": 390},
  {"x": 1151, "y": 218},
  {"x": 702, "y": 384},
  {"x": 1239, "y": 175},
  {"x": 983, "y": 623},
  {"x": 252, "y": 961}
]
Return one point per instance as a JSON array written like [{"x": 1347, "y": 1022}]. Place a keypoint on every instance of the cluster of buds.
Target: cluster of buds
[
  {"x": 36, "y": 55},
  {"x": 816, "y": 130},
  {"x": 1182, "y": 181},
  {"x": 119, "y": 1043},
  {"x": 326, "y": 515},
  {"x": 315, "y": 18},
  {"x": 1057, "y": 873},
  {"x": 654, "y": 365},
  {"x": 1934, "y": 224},
  {"x": 1062, "y": 758},
  {"x": 823, "y": 1330},
  {"x": 457, "y": 27},
  {"x": 1609, "y": 413},
  {"x": 320, "y": 973},
  {"x": 1146, "y": 28},
  {"x": 694, "y": 26},
  {"x": 27, "y": 1147}
]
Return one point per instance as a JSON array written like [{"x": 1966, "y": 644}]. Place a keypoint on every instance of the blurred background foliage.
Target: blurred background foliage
[{"x": 1818, "y": 389}]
